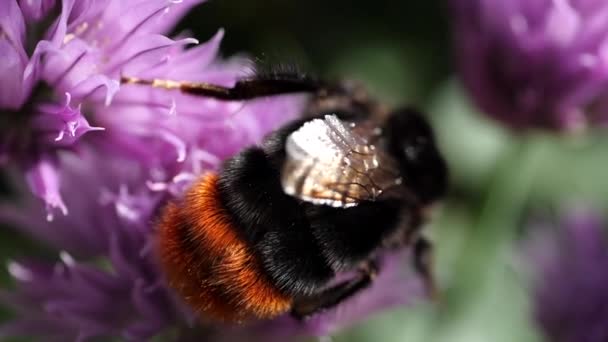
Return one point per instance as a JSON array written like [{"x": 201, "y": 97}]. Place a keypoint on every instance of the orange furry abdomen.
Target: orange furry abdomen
[{"x": 210, "y": 265}]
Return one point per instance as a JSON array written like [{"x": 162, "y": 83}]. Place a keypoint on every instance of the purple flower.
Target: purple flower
[
  {"x": 106, "y": 283},
  {"x": 59, "y": 81},
  {"x": 535, "y": 63},
  {"x": 571, "y": 274}
]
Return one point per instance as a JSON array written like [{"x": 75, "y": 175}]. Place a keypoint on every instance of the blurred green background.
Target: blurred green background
[{"x": 401, "y": 50}]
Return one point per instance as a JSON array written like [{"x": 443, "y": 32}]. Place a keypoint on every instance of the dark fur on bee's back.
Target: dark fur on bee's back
[
  {"x": 411, "y": 141},
  {"x": 301, "y": 245}
]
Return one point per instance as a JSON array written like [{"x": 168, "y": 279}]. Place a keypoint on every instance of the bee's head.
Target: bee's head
[{"x": 411, "y": 142}]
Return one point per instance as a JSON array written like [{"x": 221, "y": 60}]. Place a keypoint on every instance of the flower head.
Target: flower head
[
  {"x": 535, "y": 64},
  {"x": 59, "y": 81},
  {"x": 105, "y": 283},
  {"x": 571, "y": 293}
]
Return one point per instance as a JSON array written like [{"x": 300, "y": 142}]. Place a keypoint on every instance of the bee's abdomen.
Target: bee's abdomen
[{"x": 210, "y": 265}]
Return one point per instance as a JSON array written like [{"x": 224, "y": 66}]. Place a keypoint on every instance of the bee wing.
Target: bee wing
[{"x": 329, "y": 162}]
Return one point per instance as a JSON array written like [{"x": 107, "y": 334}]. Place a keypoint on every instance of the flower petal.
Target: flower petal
[
  {"x": 43, "y": 179},
  {"x": 13, "y": 56},
  {"x": 61, "y": 125},
  {"x": 98, "y": 87},
  {"x": 34, "y": 10},
  {"x": 143, "y": 53}
]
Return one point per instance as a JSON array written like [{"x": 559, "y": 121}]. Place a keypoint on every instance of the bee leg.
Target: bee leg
[
  {"x": 423, "y": 264},
  {"x": 328, "y": 298},
  {"x": 242, "y": 90},
  {"x": 342, "y": 97}
]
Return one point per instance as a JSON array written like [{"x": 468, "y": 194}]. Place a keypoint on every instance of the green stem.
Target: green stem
[{"x": 497, "y": 223}]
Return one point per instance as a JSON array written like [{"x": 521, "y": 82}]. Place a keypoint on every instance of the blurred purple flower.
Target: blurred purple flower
[
  {"x": 107, "y": 282},
  {"x": 571, "y": 277},
  {"x": 535, "y": 63}
]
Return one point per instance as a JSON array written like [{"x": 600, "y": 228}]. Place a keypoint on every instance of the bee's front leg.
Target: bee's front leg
[{"x": 423, "y": 263}]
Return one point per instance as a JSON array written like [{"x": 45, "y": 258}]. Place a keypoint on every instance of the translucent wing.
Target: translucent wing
[{"x": 330, "y": 162}]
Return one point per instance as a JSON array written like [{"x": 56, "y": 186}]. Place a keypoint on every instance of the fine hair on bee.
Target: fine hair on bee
[{"x": 327, "y": 193}]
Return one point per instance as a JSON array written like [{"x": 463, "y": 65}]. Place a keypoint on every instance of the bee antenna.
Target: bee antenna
[{"x": 278, "y": 79}]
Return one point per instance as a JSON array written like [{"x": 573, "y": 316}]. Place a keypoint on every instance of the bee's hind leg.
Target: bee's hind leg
[{"x": 305, "y": 307}]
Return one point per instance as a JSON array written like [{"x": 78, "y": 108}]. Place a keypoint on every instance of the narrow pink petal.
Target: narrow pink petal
[
  {"x": 70, "y": 65},
  {"x": 34, "y": 10},
  {"x": 174, "y": 13},
  {"x": 32, "y": 70},
  {"x": 136, "y": 18},
  {"x": 61, "y": 125},
  {"x": 12, "y": 91},
  {"x": 196, "y": 58},
  {"x": 43, "y": 179},
  {"x": 59, "y": 30},
  {"x": 141, "y": 53},
  {"x": 12, "y": 26},
  {"x": 96, "y": 86}
]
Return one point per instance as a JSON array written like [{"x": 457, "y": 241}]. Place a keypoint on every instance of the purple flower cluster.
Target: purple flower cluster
[
  {"x": 535, "y": 63},
  {"x": 112, "y": 156},
  {"x": 106, "y": 283},
  {"x": 62, "y": 83},
  {"x": 571, "y": 277}
]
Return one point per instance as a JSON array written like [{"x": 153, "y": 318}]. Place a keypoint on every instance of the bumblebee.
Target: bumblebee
[{"x": 268, "y": 233}]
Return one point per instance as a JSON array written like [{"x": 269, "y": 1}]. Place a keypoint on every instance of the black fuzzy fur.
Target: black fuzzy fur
[
  {"x": 302, "y": 245},
  {"x": 411, "y": 141},
  {"x": 273, "y": 223},
  {"x": 349, "y": 236}
]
